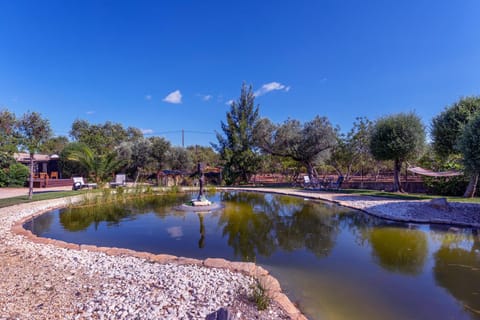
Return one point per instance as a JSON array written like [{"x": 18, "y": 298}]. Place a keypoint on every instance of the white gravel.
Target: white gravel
[{"x": 42, "y": 281}]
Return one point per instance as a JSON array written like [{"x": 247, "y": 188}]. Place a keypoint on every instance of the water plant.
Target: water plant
[{"x": 259, "y": 296}]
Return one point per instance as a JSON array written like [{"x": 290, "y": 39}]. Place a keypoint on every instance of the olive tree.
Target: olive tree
[
  {"x": 447, "y": 129},
  {"x": 33, "y": 132},
  {"x": 352, "y": 152},
  {"x": 469, "y": 145},
  {"x": 305, "y": 143},
  {"x": 398, "y": 137}
]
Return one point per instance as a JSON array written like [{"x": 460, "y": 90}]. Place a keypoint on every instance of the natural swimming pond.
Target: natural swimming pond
[{"x": 336, "y": 263}]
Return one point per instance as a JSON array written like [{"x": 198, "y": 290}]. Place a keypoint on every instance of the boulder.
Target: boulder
[{"x": 440, "y": 204}]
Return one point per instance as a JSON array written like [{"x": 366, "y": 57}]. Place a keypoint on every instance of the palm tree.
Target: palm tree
[{"x": 99, "y": 167}]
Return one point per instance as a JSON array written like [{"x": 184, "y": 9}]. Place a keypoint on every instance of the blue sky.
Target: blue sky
[{"x": 163, "y": 66}]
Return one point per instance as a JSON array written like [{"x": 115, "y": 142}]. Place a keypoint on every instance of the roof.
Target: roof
[{"x": 25, "y": 157}]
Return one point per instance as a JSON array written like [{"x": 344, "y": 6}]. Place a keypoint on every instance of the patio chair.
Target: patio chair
[
  {"x": 120, "y": 181},
  {"x": 79, "y": 183},
  {"x": 337, "y": 184}
]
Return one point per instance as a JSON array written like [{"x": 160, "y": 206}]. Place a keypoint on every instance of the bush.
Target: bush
[
  {"x": 451, "y": 186},
  {"x": 16, "y": 175}
]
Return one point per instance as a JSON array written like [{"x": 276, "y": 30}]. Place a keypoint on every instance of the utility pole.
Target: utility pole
[{"x": 183, "y": 138}]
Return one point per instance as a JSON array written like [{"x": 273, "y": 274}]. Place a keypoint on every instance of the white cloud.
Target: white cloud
[
  {"x": 229, "y": 102},
  {"x": 207, "y": 97},
  {"x": 148, "y": 97},
  {"x": 174, "y": 97},
  {"x": 146, "y": 131},
  {"x": 90, "y": 112},
  {"x": 272, "y": 86}
]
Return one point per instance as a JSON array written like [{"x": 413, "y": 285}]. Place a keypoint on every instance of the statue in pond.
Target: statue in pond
[{"x": 201, "y": 181}]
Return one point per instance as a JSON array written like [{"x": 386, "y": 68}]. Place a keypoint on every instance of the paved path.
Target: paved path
[{"x": 15, "y": 192}]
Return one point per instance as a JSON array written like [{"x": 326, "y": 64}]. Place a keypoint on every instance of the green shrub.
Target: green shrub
[
  {"x": 260, "y": 296},
  {"x": 16, "y": 175},
  {"x": 3, "y": 178},
  {"x": 446, "y": 186}
]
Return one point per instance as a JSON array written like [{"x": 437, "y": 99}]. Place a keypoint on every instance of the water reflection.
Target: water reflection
[
  {"x": 399, "y": 249},
  {"x": 256, "y": 224},
  {"x": 324, "y": 254},
  {"x": 457, "y": 269},
  {"x": 80, "y": 218}
]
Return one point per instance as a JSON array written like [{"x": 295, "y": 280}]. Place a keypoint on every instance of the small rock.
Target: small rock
[{"x": 440, "y": 204}]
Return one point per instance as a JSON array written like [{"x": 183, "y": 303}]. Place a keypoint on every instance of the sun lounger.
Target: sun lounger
[
  {"x": 120, "y": 181},
  {"x": 79, "y": 183}
]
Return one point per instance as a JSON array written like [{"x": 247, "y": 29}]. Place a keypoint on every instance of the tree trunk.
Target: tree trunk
[
  {"x": 310, "y": 172},
  {"x": 472, "y": 186},
  {"x": 30, "y": 184},
  {"x": 397, "y": 186},
  {"x": 136, "y": 179}
]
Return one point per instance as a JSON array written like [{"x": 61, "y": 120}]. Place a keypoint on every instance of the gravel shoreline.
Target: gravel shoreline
[{"x": 48, "y": 279}]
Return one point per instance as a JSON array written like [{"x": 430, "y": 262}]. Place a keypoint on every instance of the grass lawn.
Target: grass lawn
[{"x": 39, "y": 196}]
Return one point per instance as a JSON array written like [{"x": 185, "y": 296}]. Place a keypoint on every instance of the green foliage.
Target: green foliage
[
  {"x": 179, "y": 159},
  {"x": 469, "y": 144},
  {"x": 103, "y": 138},
  {"x": 33, "y": 131},
  {"x": 100, "y": 168},
  {"x": 159, "y": 150},
  {"x": 8, "y": 134},
  {"x": 399, "y": 138},
  {"x": 306, "y": 143},
  {"x": 12, "y": 173},
  {"x": 236, "y": 148},
  {"x": 17, "y": 175},
  {"x": 259, "y": 296},
  {"x": 447, "y": 127},
  {"x": 444, "y": 186},
  {"x": 54, "y": 145},
  {"x": 204, "y": 155}
]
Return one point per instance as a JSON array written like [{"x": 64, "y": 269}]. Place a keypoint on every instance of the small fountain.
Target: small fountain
[{"x": 201, "y": 203}]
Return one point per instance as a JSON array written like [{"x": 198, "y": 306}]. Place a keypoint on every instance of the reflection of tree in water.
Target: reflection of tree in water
[
  {"x": 312, "y": 227},
  {"x": 399, "y": 249},
  {"x": 249, "y": 232},
  {"x": 77, "y": 219},
  {"x": 40, "y": 224},
  {"x": 458, "y": 270},
  {"x": 258, "y": 223}
]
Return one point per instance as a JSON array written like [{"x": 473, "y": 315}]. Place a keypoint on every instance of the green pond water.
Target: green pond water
[{"x": 334, "y": 262}]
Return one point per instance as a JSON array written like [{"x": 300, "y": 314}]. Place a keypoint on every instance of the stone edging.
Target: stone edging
[{"x": 268, "y": 282}]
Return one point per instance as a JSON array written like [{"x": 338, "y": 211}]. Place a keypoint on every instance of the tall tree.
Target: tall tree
[
  {"x": 33, "y": 131},
  {"x": 399, "y": 138},
  {"x": 159, "y": 152},
  {"x": 103, "y": 138},
  {"x": 469, "y": 145},
  {"x": 305, "y": 143},
  {"x": 447, "y": 129},
  {"x": 353, "y": 149},
  {"x": 179, "y": 159},
  {"x": 236, "y": 147},
  {"x": 54, "y": 145},
  {"x": 8, "y": 134}
]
